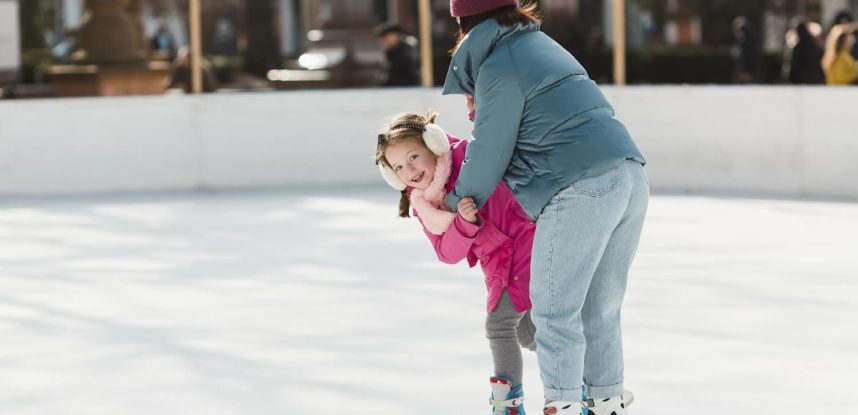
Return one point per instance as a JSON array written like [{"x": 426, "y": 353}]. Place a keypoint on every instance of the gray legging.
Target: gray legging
[{"x": 508, "y": 331}]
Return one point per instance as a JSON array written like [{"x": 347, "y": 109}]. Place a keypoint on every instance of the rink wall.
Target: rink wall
[{"x": 789, "y": 141}]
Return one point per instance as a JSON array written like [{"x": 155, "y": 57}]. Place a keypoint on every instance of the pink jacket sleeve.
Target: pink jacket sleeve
[{"x": 455, "y": 244}]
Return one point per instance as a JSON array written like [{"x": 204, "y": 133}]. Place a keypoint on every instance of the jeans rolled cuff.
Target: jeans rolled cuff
[
  {"x": 565, "y": 395},
  {"x": 604, "y": 392}
]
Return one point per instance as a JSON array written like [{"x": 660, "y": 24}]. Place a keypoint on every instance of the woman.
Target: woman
[
  {"x": 839, "y": 65},
  {"x": 546, "y": 129}
]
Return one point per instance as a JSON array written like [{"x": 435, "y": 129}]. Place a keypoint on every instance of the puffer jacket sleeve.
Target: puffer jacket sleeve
[
  {"x": 499, "y": 102},
  {"x": 455, "y": 244}
]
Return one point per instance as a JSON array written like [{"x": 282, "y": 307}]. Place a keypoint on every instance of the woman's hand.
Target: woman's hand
[
  {"x": 469, "y": 101},
  {"x": 468, "y": 209}
]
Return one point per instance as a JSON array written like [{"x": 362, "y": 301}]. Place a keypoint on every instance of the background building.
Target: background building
[{"x": 669, "y": 41}]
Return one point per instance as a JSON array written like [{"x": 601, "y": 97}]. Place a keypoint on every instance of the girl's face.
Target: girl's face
[
  {"x": 850, "y": 42},
  {"x": 412, "y": 162}
]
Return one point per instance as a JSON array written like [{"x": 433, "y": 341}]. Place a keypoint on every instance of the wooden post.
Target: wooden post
[
  {"x": 426, "y": 43},
  {"x": 619, "y": 42},
  {"x": 196, "y": 47}
]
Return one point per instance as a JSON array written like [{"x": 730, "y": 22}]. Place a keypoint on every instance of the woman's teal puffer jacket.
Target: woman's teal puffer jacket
[{"x": 541, "y": 123}]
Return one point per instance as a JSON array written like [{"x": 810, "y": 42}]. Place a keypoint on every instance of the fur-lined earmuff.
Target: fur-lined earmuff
[
  {"x": 435, "y": 140},
  {"x": 390, "y": 177}
]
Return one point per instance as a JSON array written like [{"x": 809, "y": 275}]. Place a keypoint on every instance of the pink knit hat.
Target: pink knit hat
[{"x": 462, "y": 8}]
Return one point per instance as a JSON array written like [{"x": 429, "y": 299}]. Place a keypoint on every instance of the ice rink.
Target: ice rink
[{"x": 312, "y": 302}]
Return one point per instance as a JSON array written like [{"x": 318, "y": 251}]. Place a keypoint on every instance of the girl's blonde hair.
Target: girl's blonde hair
[{"x": 407, "y": 126}]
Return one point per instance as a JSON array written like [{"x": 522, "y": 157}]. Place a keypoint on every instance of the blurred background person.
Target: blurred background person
[
  {"x": 225, "y": 38},
  {"x": 163, "y": 43},
  {"x": 181, "y": 77},
  {"x": 845, "y": 17},
  {"x": 747, "y": 53},
  {"x": 806, "y": 57},
  {"x": 837, "y": 62},
  {"x": 403, "y": 64}
]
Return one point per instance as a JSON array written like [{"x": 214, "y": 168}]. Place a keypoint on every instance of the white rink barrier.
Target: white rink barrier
[{"x": 784, "y": 141}]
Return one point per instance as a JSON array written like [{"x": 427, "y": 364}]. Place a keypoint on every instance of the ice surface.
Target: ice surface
[{"x": 324, "y": 302}]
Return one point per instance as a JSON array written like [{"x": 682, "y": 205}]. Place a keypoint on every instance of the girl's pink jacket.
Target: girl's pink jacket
[{"x": 501, "y": 241}]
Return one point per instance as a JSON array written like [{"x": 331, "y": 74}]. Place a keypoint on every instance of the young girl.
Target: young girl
[{"x": 418, "y": 158}]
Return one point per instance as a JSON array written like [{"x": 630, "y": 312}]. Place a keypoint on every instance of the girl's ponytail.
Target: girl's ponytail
[{"x": 404, "y": 205}]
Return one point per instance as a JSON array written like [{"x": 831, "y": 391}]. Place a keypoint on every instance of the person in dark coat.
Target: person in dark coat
[
  {"x": 403, "y": 63},
  {"x": 182, "y": 77},
  {"x": 806, "y": 63},
  {"x": 747, "y": 53}
]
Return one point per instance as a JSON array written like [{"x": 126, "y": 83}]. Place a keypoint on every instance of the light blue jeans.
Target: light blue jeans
[{"x": 586, "y": 238}]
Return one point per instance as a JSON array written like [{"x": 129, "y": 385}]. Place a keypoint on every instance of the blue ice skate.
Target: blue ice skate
[{"x": 506, "y": 399}]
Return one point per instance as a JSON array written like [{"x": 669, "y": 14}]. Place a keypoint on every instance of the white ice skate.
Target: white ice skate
[
  {"x": 617, "y": 405},
  {"x": 610, "y": 406},
  {"x": 562, "y": 408}
]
